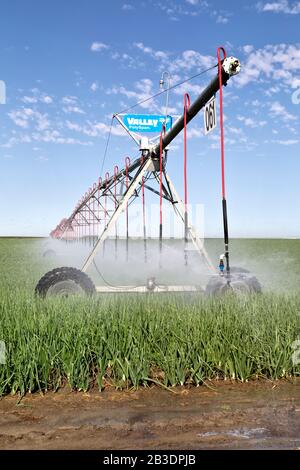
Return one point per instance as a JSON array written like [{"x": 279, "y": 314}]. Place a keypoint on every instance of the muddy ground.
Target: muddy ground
[{"x": 260, "y": 415}]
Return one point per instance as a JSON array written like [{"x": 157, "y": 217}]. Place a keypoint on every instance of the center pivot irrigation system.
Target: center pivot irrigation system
[{"x": 130, "y": 183}]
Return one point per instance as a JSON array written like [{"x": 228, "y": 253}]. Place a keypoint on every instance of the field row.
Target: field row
[{"x": 132, "y": 341}]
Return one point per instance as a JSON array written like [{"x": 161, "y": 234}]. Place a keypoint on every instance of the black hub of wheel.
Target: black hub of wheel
[{"x": 151, "y": 284}]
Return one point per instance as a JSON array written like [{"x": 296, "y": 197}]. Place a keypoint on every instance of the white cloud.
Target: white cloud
[
  {"x": 272, "y": 90},
  {"x": 193, "y": 8},
  {"x": 161, "y": 55},
  {"x": 19, "y": 119},
  {"x": 42, "y": 158},
  {"x": 94, "y": 129},
  {"x": 73, "y": 126},
  {"x": 47, "y": 99},
  {"x": 248, "y": 48},
  {"x": 99, "y": 46},
  {"x": 234, "y": 130},
  {"x": 44, "y": 135},
  {"x": 25, "y": 138},
  {"x": 26, "y": 116},
  {"x": 143, "y": 91},
  {"x": 127, "y": 60},
  {"x": 222, "y": 19},
  {"x": 38, "y": 97},
  {"x": 42, "y": 122},
  {"x": 277, "y": 63},
  {"x": 127, "y": 7},
  {"x": 69, "y": 100},
  {"x": 280, "y": 6},
  {"x": 221, "y": 16},
  {"x": 216, "y": 139},
  {"x": 56, "y": 138},
  {"x": 11, "y": 141},
  {"x": 194, "y": 132},
  {"x": 190, "y": 59},
  {"x": 278, "y": 110},
  {"x": 94, "y": 86},
  {"x": 29, "y": 99},
  {"x": 73, "y": 109},
  {"x": 188, "y": 87},
  {"x": 249, "y": 122},
  {"x": 287, "y": 142}
]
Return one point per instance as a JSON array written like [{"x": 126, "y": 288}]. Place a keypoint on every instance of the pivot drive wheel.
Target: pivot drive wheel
[
  {"x": 65, "y": 282},
  {"x": 241, "y": 282}
]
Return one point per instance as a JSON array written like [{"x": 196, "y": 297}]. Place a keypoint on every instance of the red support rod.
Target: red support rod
[
  {"x": 86, "y": 217},
  {"x": 143, "y": 204},
  {"x": 187, "y": 103},
  {"x": 90, "y": 214},
  {"x": 105, "y": 198},
  {"x": 99, "y": 207},
  {"x": 81, "y": 214},
  {"x": 94, "y": 212},
  {"x": 221, "y": 49},
  {"x": 160, "y": 180},
  {"x": 144, "y": 220},
  {"x": 224, "y": 202},
  {"x": 79, "y": 228},
  {"x": 143, "y": 195},
  {"x": 127, "y": 163},
  {"x": 116, "y": 171}
]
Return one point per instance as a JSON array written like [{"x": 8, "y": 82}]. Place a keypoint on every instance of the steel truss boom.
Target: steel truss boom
[{"x": 228, "y": 70}]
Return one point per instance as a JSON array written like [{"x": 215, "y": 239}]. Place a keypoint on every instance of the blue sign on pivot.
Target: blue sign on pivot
[{"x": 147, "y": 122}]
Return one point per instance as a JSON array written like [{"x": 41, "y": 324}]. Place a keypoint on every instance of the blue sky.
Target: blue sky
[{"x": 69, "y": 65}]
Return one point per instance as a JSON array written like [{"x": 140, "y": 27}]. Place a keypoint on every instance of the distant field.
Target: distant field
[{"x": 131, "y": 340}]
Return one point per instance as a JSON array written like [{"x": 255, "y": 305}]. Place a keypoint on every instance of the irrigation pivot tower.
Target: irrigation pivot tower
[{"x": 129, "y": 183}]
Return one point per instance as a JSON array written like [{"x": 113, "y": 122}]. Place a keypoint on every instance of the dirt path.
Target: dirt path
[{"x": 255, "y": 415}]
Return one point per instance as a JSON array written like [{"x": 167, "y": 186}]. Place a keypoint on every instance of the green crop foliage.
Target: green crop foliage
[{"x": 127, "y": 340}]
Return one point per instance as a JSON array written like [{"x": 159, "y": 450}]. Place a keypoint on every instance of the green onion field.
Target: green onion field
[{"x": 127, "y": 340}]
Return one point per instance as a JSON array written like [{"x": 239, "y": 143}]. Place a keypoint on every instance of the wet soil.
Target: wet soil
[{"x": 256, "y": 415}]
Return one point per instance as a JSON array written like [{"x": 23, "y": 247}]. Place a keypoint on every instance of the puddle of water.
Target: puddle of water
[{"x": 243, "y": 433}]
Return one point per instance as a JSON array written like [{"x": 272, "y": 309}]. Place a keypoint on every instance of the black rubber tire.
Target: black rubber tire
[
  {"x": 216, "y": 286},
  {"x": 254, "y": 284},
  {"x": 241, "y": 281},
  {"x": 49, "y": 253},
  {"x": 65, "y": 274}
]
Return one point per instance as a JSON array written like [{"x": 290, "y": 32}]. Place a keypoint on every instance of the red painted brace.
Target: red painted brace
[
  {"x": 221, "y": 49},
  {"x": 161, "y": 174},
  {"x": 127, "y": 163},
  {"x": 187, "y": 103},
  {"x": 105, "y": 198}
]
